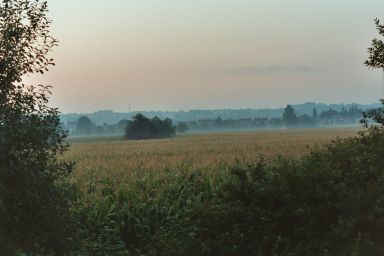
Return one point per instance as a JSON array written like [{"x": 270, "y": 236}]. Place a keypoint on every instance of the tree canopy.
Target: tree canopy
[
  {"x": 141, "y": 127},
  {"x": 376, "y": 51},
  {"x": 375, "y": 60},
  {"x": 34, "y": 195},
  {"x": 289, "y": 116},
  {"x": 84, "y": 126}
]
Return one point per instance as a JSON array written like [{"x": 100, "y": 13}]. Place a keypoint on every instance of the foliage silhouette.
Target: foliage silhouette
[
  {"x": 376, "y": 51},
  {"x": 84, "y": 126},
  {"x": 375, "y": 117},
  {"x": 289, "y": 116},
  {"x": 141, "y": 128},
  {"x": 34, "y": 194}
]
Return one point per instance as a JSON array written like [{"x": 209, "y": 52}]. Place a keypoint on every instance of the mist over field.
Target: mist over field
[{"x": 308, "y": 115}]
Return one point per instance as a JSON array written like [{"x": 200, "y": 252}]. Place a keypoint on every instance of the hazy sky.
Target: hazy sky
[{"x": 193, "y": 54}]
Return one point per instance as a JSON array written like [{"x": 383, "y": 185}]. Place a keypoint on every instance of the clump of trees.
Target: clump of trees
[
  {"x": 289, "y": 116},
  {"x": 84, "y": 126},
  {"x": 34, "y": 193},
  {"x": 141, "y": 127}
]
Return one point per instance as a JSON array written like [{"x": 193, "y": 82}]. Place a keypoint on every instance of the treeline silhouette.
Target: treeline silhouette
[
  {"x": 142, "y": 127},
  {"x": 289, "y": 119},
  {"x": 110, "y": 117}
]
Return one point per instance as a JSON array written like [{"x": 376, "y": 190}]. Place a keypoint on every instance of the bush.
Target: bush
[{"x": 330, "y": 202}]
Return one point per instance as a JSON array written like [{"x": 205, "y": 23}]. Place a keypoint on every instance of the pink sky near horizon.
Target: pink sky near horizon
[{"x": 173, "y": 55}]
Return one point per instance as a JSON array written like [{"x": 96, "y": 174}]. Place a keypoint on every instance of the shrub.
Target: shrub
[{"x": 330, "y": 202}]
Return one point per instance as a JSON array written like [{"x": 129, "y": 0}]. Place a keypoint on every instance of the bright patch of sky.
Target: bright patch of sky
[{"x": 198, "y": 54}]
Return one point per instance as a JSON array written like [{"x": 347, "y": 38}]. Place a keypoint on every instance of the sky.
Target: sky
[{"x": 211, "y": 54}]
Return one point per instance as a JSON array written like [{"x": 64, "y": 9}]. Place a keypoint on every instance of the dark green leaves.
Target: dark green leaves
[
  {"x": 376, "y": 51},
  {"x": 34, "y": 192}
]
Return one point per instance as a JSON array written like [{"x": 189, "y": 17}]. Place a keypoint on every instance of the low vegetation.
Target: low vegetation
[
  {"x": 329, "y": 202},
  {"x": 321, "y": 201}
]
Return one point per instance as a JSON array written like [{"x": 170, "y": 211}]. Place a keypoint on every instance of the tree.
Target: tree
[
  {"x": 34, "y": 194},
  {"x": 289, "y": 116},
  {"x": 376, "y": 51},
  {"x": 142, "y": 127},
  {"x": 375, "y": 60},
  {"x": 84, "y": 126}
]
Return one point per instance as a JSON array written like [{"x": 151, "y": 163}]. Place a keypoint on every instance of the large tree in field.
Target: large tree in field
[{"x": 34, "y": 194}]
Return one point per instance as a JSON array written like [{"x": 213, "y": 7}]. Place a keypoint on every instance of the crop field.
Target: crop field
[
  {"x": 195, "y": 194},
  {"x": 120, "y": 160}
]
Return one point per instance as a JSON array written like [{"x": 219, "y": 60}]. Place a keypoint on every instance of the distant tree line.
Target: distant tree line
[
  {"x": 289, "y": 119},
  {"x": 101, "y": 117},
  {"x": 141, "y": 124},
  {"x": 140, "y": 127}
]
